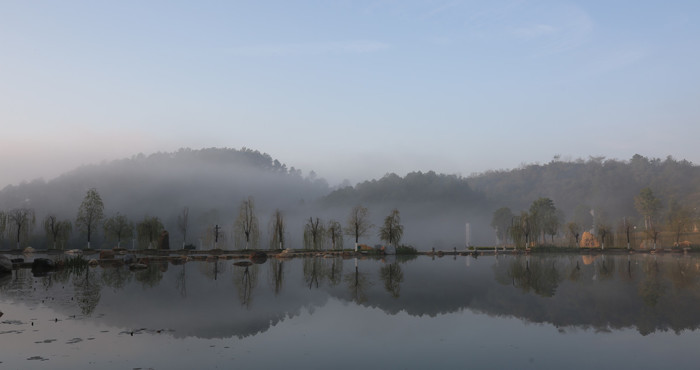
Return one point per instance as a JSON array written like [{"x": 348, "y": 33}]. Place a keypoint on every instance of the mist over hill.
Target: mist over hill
[
  {"x": 607, "y": 186},
  {"x": 433, "y": 207},
  {"x": 211, "y": 182}
]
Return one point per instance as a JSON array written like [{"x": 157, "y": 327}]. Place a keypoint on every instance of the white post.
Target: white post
[{"x": 468, "y": 235}]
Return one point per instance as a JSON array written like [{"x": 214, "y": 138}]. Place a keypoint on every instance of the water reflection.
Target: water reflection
[
  {"x": 605, "y": 292},
  {"x": 392, "y": 275},
  {"x": 539, "y": 275},
  {"x": 245, "y": 278},
  {"x": 276, "y": 273}
]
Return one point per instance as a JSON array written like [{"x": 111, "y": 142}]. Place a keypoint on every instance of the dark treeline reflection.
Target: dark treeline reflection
[{"x": 219, "y": 299}]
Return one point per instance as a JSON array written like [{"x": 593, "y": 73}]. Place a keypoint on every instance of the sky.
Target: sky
[{"x": 349, "y": 89}]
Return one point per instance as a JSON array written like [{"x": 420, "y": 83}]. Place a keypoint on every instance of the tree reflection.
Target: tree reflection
[
  {"x": 276, "y": 274},
  {"x": 153, "y": 274},
  {"x": 357, "y": 284},
  {"x": 246, "y": 279},
  {"x": 540, "y": 276},
  {"x": 116, "y": 277},
  {"x": 335, "y": 271},
  {"x": 651, "y": 288},
  {"x": 605, "y": 268},
  {"x": 392, "y": 275},
  {"x": 574, "y": 271},
  {"x": 181, "y": 281},
  {"x": 87, "y": 291},
  {"x": 684, "y": 274},
  {"x": 313, "y": 269},
  {"x": 625, "y": 271},
  {"x": 212, "y": 268}
]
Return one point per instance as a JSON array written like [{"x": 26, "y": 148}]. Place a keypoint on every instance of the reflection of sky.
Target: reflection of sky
[
  {"x": 447, "y": 313},
  {"x": 346, "y": 336}
]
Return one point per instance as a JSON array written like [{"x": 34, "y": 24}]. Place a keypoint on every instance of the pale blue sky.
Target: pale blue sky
[{"x": 350, "y": 89}]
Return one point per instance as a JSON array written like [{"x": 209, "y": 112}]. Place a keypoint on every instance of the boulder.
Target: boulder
[
  {"x": 106, "y": 255},
  {"x": 258, "y": 257},
  {"x": 5, "y": 265},
  {"x": 43, "y": 263},
  {"x": 93, "y": 262},
  {"x": 41, "y": 266}
]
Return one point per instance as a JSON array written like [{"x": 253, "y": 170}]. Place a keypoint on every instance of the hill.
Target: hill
[
  {"x": 608, "y": 186},
  {"x": 211, "y": 182},
  {"x": 433, "y": 207}
]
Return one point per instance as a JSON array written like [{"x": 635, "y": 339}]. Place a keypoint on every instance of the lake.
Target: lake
[{"x": 551, "y": 311}]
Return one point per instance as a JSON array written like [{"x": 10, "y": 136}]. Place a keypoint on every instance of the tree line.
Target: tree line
[
  {"x": 19, "y": 224},
  {"x": 593, "y": 227}
]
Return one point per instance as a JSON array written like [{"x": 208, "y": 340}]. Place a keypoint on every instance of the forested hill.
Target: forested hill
[
  {"x": 607, "y": 185},
  {"x": 214, "y": 179},
  {"x": 416, "y": 187},
  {"x": 441, "y": 204},
  {"x": 433, "y": 207}
]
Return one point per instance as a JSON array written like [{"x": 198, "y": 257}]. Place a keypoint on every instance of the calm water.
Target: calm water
[{"x": 551, "y": 311}]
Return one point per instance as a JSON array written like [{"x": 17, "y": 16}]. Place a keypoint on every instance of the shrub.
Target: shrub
[{"x": 406, "y": 249}]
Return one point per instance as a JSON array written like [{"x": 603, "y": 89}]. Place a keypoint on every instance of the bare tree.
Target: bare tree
[
  {"x": 277, "y": 229},
  {"x": 604, "y": 233},
  {"x": 118, "y": 227},
  {"x": 653, "y": 234},
  {"x": 57, "y": 230},
  {"x": 314, "y": 234},
  {"x": 183, "y": 223},
  {"x": 90, "y": 213},
  {"x": 358, "y": 223},
  {"x": 22, "y": 221},
  {"x": 246, "y": 226},
  {"x": 334, "y": 232},
  {"x": 574, "y": 231},
  {"x": 625, "y": 227}
]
